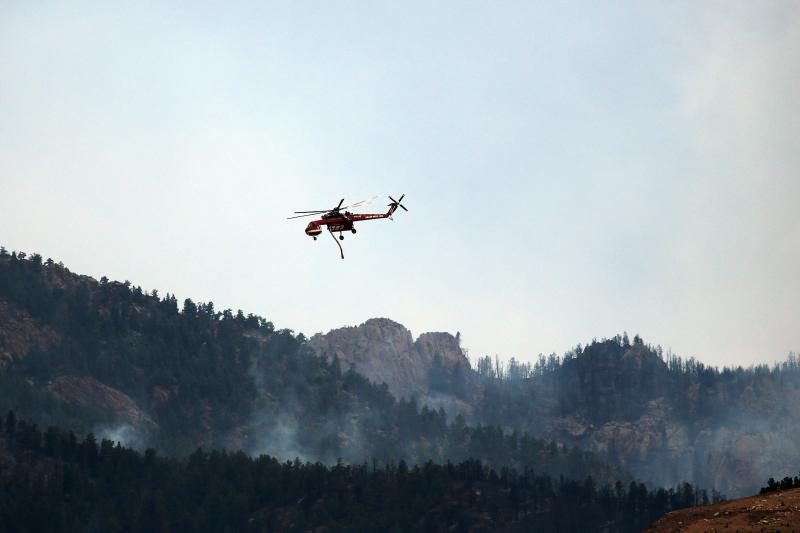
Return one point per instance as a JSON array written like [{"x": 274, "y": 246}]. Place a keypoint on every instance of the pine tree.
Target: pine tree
[{"x": 11, "y": 424}]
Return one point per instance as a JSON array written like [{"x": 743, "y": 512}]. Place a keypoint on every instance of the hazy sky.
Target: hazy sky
[{"x": 571, "y": 170}]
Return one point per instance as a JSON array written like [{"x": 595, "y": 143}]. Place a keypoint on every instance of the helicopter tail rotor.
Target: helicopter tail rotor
[{"x": 395, "y": 204}]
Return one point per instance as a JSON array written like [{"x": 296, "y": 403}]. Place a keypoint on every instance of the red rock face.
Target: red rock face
[
  {"x": 385, "y": 352},
  {"x": 86, "y": 391},
  {"x": 20, "y": 333}
]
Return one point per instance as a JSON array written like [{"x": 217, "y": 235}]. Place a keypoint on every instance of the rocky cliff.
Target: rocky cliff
[
  {"x": 660, "y": 447},
  {"x": 385, "y": 352},
  {"x": 20, "y": 333}
]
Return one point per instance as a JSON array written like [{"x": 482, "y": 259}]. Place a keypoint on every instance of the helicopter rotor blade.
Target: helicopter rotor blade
[
  {"x": 338, "y": 208},
  {"x": 360, "y": 203},
  {"x": 306, "y": 215}
]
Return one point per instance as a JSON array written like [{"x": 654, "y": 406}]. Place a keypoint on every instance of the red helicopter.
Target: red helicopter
[{"x": 336, "y": 220}]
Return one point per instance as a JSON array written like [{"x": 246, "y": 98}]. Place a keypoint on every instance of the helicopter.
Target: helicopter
[{"x": 339, "y": 219}]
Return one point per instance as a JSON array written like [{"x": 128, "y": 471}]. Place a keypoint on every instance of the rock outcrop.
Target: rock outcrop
[
  {"x": 87, "y": 392},
  {"x": 19, "y": 333},
  {"x": 385, "y": 352}
]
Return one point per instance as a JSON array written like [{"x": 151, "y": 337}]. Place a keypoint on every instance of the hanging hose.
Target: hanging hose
[{"x": 341, "y": 251}]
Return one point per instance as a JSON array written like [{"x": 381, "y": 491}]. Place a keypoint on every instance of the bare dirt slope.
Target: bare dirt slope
[{"x": 774, "y": 511}]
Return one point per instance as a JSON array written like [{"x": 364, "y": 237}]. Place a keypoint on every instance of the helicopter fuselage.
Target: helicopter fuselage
[{"x": 341, "y": 222}]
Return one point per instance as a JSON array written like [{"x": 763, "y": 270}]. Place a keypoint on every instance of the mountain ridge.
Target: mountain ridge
[
  {"x": 140, "y": 368},
  {"x": 223, "y": 379},
  {"x": 661, "y": 417}
]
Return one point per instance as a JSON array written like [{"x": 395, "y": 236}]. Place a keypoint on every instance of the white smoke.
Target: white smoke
[{"x": 124, "y": 434}]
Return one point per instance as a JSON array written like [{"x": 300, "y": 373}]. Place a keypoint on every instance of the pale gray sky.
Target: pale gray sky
[{"x": 572, "y": 170}]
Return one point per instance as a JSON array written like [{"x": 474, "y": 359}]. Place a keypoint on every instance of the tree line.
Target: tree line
[
  {"x": 58, "y": 483},
  {"x": 786, "y": 483}
]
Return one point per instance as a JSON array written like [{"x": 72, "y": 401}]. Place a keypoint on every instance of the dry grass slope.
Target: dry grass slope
[{"x": 774, "y": 511}]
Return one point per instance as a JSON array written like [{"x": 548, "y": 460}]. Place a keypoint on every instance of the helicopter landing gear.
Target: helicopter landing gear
[
  {"x": 353, "y": 230},
  {"x": 341, "y": 237},
  {"x": 315, "y": 238}
]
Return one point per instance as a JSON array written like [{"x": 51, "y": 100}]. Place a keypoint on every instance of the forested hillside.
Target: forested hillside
[
  {"x": 105, "y": 357},
  {"x": 662, "y": 417}
]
